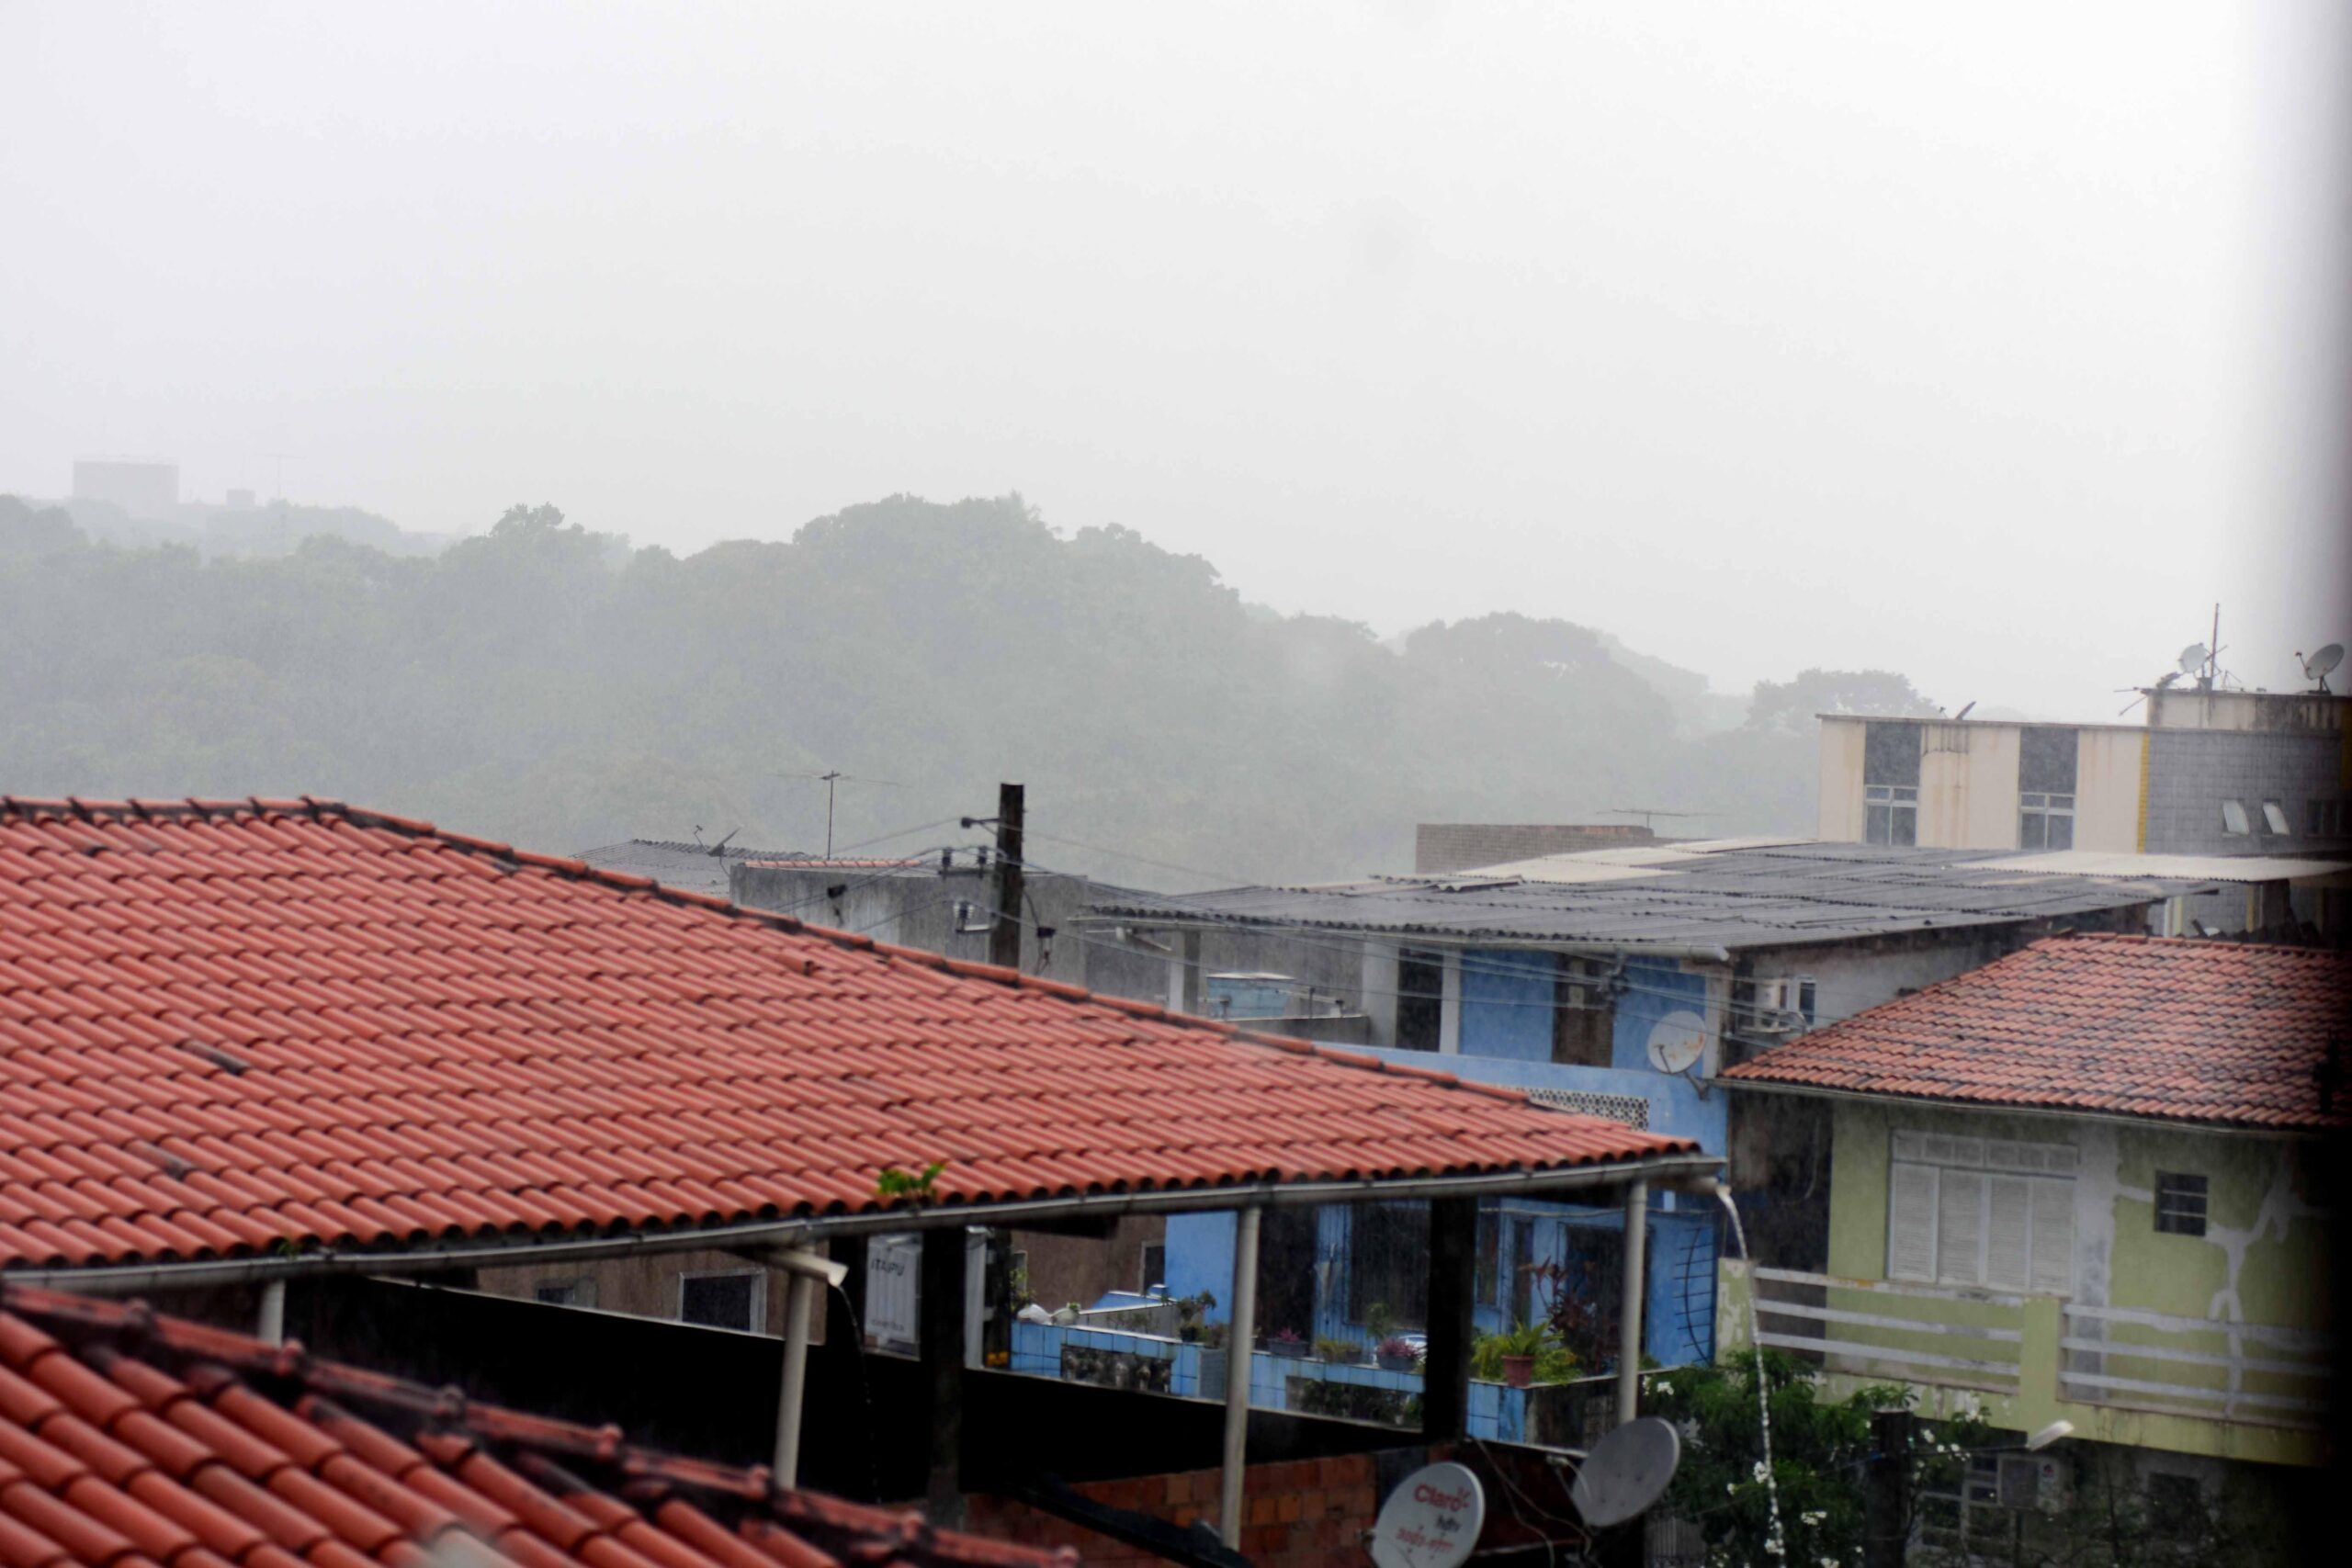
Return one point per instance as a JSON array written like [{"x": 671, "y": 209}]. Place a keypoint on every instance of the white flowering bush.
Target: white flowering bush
[{"x": 1819, "y": 1451}]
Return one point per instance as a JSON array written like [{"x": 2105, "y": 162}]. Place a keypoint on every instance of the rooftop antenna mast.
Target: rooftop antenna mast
[{"x": 829, "y": 779}]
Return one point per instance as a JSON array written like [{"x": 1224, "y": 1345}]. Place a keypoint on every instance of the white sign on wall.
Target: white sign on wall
[{"x": 893, "y": 1285}]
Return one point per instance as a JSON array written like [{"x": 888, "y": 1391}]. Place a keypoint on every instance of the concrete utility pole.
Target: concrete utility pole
[{"x": 1004, "y": 936}]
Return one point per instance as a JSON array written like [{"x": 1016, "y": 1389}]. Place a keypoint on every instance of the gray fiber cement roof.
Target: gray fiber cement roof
[
  {"x": 696, "y": 868},
  {"x": 1727, "y": 895}
]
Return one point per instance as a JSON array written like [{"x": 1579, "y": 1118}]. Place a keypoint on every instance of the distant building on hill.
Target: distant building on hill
[{"x": 148, "y": 490}]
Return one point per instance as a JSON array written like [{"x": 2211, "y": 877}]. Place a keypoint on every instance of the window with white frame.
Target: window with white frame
[
  {"x": 2233, "y": 819},
  {"x": 2046, "y": 788},
  {"x": 1890, "y": 784},
  {"x": 734, "y": 1298},
  {"x": 1995, "y": 1212}
]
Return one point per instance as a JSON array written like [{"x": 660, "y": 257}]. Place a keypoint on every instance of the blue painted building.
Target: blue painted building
[{"x": 1613, "y": 983}]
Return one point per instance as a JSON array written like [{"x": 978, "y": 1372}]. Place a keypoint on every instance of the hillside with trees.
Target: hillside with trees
[{"x": 550, "y": 686}]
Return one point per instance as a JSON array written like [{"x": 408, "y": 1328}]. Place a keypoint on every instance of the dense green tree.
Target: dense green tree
[{"x": 548, "y": 685}]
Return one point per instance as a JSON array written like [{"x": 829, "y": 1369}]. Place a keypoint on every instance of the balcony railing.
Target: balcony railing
[
  {"x": 2233, "y": 1372},
  {"x": 1897, "y": 1332},
  {"x": 2257, "y": 1390}
]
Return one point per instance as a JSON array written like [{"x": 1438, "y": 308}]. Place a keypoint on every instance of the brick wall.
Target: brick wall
[{"x": 1309, "y": 1513}]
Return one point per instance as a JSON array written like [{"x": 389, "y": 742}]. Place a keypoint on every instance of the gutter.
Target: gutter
[
  {"x": 2002, "y": 1108},
  {"x": 1692, "y": 1172},
  {"x": 1416, "y": 936}
]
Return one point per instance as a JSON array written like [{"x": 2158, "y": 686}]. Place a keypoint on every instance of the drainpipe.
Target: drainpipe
[
  {"x": 272, "y": 1327},
  {"x": 811, "y": 1274},
  {"x": 1241, "y": 1340},
  {"x": 1629, "y": 1312}
]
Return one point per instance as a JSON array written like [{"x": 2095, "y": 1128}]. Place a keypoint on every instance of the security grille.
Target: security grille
[{"x": 1630, "y": 1109}]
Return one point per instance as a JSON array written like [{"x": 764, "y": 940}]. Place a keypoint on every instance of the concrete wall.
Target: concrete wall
[
  {"x": 2310, "y": 711},
  {"x": 2110, "y": 769},
  {"x": 2263, "y": 1259},
  {"x": 1967, "y": 787},
  {"x": 1461, "y": 846},
  {"x": 1840, "y": 797},
  {"x": 916, "y": 909},
  {"x": 2190, "y": 773},
  {"x": 1507, "y": 1001}
]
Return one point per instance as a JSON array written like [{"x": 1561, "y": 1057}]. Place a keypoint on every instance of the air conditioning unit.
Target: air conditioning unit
[{"x": 1772, "y": 1008}]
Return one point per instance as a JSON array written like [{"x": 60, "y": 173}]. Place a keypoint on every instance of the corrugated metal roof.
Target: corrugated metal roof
[
  {"x": 2204, "y": 868},
  {"x": 1738, "y": 896}
]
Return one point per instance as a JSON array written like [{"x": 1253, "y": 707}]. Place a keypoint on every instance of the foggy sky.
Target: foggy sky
[{"x": 1986, "y": 343}]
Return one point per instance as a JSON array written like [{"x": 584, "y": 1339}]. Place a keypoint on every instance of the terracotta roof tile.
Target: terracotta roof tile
[
  {"x": 224, "y": 1026},
  {"x": 401, "y": 1484},
  {"x": 2170, "y": 1029}
]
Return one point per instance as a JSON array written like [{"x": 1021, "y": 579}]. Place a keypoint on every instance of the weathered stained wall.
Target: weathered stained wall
[
  {"x": 2109, "y": 768},
  {"x": 2263, "y": 1258},
  {"x": 1967, "y": 787},
  {"x": 1839, "y": 801}
]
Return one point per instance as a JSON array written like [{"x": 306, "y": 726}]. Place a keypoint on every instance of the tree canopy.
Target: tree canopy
[{"x": 551, "y": 686}]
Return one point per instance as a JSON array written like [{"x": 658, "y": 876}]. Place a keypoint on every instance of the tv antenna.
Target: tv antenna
[
  {"x": 829, "y": 779},
  {"x": 1647, "y": 812},
  {"x": 1626, "y": 1471},
  {"x": 2316, "y": 666}
]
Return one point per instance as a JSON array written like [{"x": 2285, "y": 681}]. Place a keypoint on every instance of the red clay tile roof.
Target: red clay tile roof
[
  {"x": 129, "y": 1440},
  {"x": 229, "y": 1025},
  {"x": 2166, "y": 1028}
]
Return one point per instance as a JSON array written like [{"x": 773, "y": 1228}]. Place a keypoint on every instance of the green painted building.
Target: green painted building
[{"x": 2084, "y": 1184}]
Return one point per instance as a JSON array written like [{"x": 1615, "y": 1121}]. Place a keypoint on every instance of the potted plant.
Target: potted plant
[
  {"x": 1340, "y": 1352},
  {"x": 1380, "y": 1323},
  {"x": 1517, "y": 1348},
  {"x": 1396, "y": 1354},
  {"x": 1190, "y": 1311},
  {"x": 1289, "y": 1342}
]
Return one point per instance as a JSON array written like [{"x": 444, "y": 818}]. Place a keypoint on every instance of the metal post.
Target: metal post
[
  {"x": 1445, "y": 1366},
  {"x": 1629, "y": 1312},
  {"x": 272, "y": 1329},
  {"x": 939, "y": 1305},
  {"x": 1242, "y": 1341},
  {"x": 801, "y": 1298},
  {"x": 1886, "y": 1525}
]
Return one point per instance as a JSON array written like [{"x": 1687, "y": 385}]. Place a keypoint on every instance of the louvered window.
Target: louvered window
[{"x": 1993, "y": 1213}]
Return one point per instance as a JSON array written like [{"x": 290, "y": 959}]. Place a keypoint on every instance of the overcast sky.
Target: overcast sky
[{"x": 1984, "y": 343}]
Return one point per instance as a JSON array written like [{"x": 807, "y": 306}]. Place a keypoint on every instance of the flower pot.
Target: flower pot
[
  {"x": 1402, "y": 1363},
  {"x": 1518, "y": 1371},
  {"x": 1289, "y": 1349}
]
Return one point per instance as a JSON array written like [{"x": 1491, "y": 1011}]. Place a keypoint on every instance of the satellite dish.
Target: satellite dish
[
  {"x": 1678, "y": 1040},
  {"x": 2192, "y": 659},
  {"x": 2317, "y": 666},
  {"x": 1626, "y": 1471},
  {"x": 1432, "y": 1520}
]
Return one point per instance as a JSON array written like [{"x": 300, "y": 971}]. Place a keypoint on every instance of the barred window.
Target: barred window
[{"x": 2180, "y": 1204}]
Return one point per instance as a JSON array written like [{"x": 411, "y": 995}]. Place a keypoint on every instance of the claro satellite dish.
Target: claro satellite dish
[
  {"x": 1626, "y": 1471},
  {"x": 1432, "y": 1520},
  {"x": 2317, "y": 666},
  {"x": 2192, "y": 659}
]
